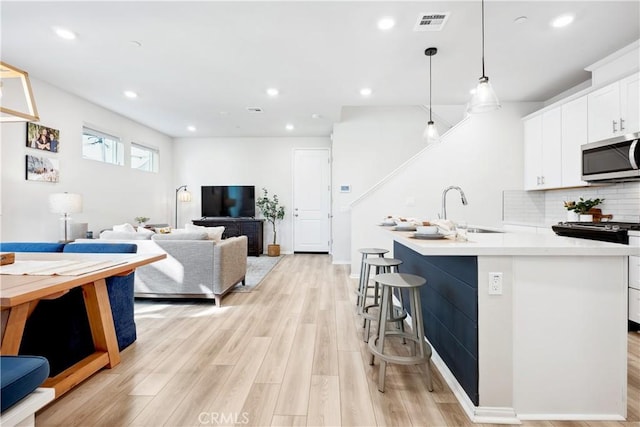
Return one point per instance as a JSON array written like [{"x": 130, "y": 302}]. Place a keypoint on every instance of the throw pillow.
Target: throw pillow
[
  {"x": 164, "y": 230},
  {"x": 214, "y": 233},
  {"x": 180, "y": 236},
  {"x": 144, "y": 231},
  {"x": 126, "y": 227}
]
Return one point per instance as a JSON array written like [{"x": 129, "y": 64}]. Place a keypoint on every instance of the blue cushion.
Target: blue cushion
[
  {"x": 119, "y": 288},
  {"x": 31, "y": 247},
  {"x": 20, "y": 375}
]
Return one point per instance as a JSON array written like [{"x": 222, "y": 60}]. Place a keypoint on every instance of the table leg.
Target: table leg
[
  {"x": 14, "y": 329},
  {"x": 96, "y": 300}
]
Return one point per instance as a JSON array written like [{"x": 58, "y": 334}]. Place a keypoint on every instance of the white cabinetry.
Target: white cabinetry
[
  {"x": 574, "y": 134},
  {"x": 634, "y": 282},
  {"x": 543, "y": 150},
  {"x": 614, "y": 109}
]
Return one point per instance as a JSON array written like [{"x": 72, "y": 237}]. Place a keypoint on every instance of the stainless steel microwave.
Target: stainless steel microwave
[{"x": 614, "y": 159}]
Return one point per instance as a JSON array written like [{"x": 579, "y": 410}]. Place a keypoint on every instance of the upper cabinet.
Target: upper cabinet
[
  {"x": 574, "y": 134},
  {"x": 543, "y": 151},
  {"x": 614, "y": 110}
]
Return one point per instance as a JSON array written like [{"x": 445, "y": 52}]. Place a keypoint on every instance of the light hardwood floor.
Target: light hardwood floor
[{"x": 289, "y": 353}]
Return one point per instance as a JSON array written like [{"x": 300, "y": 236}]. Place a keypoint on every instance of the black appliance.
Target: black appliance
[
  {"x": 235, "y": 201},
  {"x": 615, "y": 159},
  {"x": 615, "y": 232}
]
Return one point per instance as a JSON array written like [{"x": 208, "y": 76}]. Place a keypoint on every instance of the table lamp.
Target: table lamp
[{"x": 65, "y": 204}]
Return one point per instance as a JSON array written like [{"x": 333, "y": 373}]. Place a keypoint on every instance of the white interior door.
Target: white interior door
[{"x": 311, "y": 200}]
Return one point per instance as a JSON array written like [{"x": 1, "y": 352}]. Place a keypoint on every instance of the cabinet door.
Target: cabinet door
[
  {"x": 604, "y": 112},
  {"x": 552, "y": 149},
  {"x": 574, "y": 134},
  {"x": 532, "y": 152},
  {"x": 630, "y": 104}
]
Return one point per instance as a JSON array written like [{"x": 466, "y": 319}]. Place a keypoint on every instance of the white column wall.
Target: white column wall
[
  {"x": 111, "y": 194},
  {"x": 263, "y": 162}
]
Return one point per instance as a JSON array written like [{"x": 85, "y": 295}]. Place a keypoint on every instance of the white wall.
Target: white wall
[
  {"x": 483, "y": 155},
  {"x": 111, "y": 194},
  {"x": 263, "y": 162}
]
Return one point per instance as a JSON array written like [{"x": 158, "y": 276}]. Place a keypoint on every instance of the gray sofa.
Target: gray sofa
[{"x": 193, "y": 269}]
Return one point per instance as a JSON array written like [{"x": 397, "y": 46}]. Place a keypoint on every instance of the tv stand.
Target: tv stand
[{"x": 250, "y": 227}]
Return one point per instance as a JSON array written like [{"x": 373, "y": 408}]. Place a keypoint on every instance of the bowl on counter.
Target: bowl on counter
[{"x": 426, "y": 229}]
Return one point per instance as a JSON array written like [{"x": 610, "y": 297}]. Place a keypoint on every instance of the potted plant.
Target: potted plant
[
  {"x": 272, "y": 212},
  {"x": 142, "y": 220},
  {"x": 572, "y": 215},
  {"x": 583, "y": 207}
]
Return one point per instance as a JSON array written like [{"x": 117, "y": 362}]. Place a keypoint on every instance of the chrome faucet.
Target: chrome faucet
[{"x": 444, "y": 199}]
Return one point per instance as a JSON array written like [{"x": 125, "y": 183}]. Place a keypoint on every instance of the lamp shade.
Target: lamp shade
[
  {"x": 484, "y": 99},
  {"x": 184, "y": 196},
  {"x": 431, "y": 133},
  {"x": 64, "y": 203}
]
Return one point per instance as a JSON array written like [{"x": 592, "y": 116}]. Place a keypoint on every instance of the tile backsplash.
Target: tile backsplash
[{"x": 547, "y": 207}]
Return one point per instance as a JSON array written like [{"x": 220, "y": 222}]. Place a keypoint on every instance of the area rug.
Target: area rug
[{"x": 257, "y": 269}]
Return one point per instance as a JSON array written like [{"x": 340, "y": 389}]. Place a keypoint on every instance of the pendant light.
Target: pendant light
[
  {"x": 484, "y": 99},
  {"x": 431, "y": 132}
]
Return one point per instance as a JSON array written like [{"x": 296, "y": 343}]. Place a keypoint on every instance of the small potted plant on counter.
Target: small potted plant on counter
[
  {"x": 272, "y": 212},
  {"x": 572, "y": 215},
  {"x": 142, "y": 220},
  {"x": 583, "y": 208}
]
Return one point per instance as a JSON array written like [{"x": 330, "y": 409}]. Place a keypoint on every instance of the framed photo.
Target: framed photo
[
  {"x": 43, "y": 138},
  {"x": 42, "y": 169}
]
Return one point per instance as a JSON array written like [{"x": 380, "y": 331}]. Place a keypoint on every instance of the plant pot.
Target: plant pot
[
  {"x": 586, "y": 218},
  {"x": 273, "y": 250},
  {"x": 573, "y": 216}
]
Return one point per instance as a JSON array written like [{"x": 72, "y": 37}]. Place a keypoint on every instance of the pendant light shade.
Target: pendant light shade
[
  {"x": 431, "y": 132},
  {"x": 484, "y": 98}
]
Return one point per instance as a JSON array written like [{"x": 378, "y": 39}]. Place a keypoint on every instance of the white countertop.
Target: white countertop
[{"x": 512, "y": 244}]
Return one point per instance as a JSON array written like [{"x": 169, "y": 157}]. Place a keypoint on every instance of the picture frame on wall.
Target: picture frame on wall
[
  {"x": 43, "y": 138},
  {"x": 40, "y": 168}
]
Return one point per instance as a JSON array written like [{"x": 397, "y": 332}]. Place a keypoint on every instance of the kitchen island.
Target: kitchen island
[{"x": 551, "y": 345}]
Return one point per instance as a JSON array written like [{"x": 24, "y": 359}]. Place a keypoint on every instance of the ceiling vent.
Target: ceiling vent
[
  {"x": 254, "y": 109},
  {"x": 431, "y": 21}
]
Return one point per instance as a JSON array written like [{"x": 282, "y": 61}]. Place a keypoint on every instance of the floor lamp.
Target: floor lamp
[
  {"x": 65, "y": 204},
  {"x": 183, "y": 195}
]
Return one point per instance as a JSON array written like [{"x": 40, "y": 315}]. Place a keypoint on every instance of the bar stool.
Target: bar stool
[
  {"x": 365, "y": 254},
  {"x": 421, "y": 350},
  {"x": 382, "y": 266}
]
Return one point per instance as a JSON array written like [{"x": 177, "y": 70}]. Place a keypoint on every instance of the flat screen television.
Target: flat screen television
[{"x": 235, "y": 201}]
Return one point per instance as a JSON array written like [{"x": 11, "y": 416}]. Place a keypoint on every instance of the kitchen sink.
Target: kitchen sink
[{"x": 481, "y": 230}]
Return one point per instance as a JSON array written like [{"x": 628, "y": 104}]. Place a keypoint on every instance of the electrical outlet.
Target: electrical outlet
[{"x": 495, "y": 283}]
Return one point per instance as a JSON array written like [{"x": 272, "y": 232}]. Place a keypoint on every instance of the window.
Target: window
[
  {"x": 102, "y": 147},
  {"x": 144, "y": 158}
]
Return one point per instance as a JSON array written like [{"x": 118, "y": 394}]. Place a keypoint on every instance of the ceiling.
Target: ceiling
[{"x": 203, "y": 63}]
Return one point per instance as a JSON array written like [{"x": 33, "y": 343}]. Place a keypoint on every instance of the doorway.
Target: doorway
[{"x": 311, "y": 200}]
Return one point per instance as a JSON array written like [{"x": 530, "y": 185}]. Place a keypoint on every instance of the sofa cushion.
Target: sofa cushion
[
  {"x": 126, "y": 227},
  {"x": 19, "y": 376},
  {"x": 214, "y": 233},
  {"x": 144, "y": 231},
  {"x": 180, "y": 236},
  {"x": 124, "y": 235}
]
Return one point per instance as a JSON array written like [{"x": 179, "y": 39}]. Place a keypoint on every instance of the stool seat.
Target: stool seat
[
  {"x": 400, "y": 280},
  {"x": 421, "y": 349},
  {"x": 383, "y": 262},
  {"x": 373, "y": 251}
]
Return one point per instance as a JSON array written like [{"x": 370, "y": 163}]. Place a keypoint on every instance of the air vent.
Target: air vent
[
  {"x": 254, "y": 109},
  {"x": 431, "y": 21}
]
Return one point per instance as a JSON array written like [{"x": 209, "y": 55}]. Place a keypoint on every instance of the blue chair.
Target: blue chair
[
  {"x": 31, "y": 247},
  {"x": 119, "y": 288},
  {"x": 19, "y": 376}
]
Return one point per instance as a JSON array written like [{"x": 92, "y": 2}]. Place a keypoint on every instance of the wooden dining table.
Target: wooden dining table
[{"x": 39, "y": 276}]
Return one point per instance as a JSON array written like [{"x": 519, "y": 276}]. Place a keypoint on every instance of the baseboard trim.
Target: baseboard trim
[{"x": 572, "y": 417}]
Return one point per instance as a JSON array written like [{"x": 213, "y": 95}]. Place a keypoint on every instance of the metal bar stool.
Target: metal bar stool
[
  {"x": 365, "y": 254},
  {"x": 421, "y": 350},
  {"x": 397, "y": 315}
]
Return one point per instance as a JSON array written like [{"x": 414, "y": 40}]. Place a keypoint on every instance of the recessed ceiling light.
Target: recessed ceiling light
[
  {"x": 272, "y": 91},
  {"x": 365, "y": 91},
  {"x": 289, "y": 127},
  {"x": 316, "y": 116},
  {"x": 191, "y": 128},
  {"x": 135, "y": 43},
  {"x": 386, "y": 23},
  {"x": 64, "y": 33},
  {"x": 520, "y": 20},
  {"x": 562, "y": 21},
  {"x": 130, "y": 94}
]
